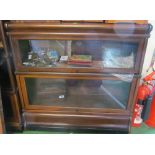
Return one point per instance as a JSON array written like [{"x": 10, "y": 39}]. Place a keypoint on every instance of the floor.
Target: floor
[{"x": 142, "y": 130}]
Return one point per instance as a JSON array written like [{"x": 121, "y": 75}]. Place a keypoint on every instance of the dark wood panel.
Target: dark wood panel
[
  {"x": 8, "y": 58},
  {"x": 111, "y": 28},
  {"x": 112, "y": 122},
  {"x": 74, "y": 36},
  {"x": 10, "y": 95},
  {"x": 11, "y": 108}
]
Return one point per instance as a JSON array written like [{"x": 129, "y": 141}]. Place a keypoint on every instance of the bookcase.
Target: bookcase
[{"x": 59, "y": 94}]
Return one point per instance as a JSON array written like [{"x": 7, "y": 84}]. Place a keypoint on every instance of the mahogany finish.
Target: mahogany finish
[{"x": 76, "y": 117}]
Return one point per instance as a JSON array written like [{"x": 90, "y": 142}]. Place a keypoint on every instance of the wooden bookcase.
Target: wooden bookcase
[{"x": 59, "y": 95}]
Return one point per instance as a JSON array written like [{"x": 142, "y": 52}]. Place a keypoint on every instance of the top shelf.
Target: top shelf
[
  {"x": 114, "y": 47},
  {"x": 88, "y": 27}
]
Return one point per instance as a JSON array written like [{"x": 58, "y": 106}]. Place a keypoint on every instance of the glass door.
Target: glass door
[
  {"x": 97, "y": 54},
  {"x": 112, "y": 93}
]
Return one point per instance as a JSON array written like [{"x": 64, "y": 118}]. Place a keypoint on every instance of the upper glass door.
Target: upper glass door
[{"x": 97, "y": 54}]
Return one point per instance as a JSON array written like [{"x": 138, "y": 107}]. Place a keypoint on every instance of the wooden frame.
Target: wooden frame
[
  {"x": 136, "y": 69},
  {"x": 127, "y": 21},
  {"x": 69, "y": 117},
  {"x": 26, "y": 105}
]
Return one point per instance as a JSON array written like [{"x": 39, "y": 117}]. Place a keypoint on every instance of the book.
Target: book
[
  {"x": 80, "y": 59},
  {"x": 80, "y": 63}
]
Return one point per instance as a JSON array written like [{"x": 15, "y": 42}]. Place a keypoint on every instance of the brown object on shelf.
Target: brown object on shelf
[
  {"x": 82, "y": 60},
  {"x": 97, "y": 97},
  {"x": 80, "y": 63},
  {"x": 127, "y": 21}
]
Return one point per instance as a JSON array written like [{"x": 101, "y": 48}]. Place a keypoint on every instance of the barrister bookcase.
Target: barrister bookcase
[{"x": 94, "y": 96}]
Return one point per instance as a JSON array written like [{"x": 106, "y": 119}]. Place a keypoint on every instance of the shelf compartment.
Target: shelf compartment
[
  {"x": 68, "y": 92},
  {"x": 107, "y": 55}
]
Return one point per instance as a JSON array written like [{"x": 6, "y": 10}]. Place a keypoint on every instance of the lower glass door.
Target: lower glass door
[{"x": 81, "y": 93}]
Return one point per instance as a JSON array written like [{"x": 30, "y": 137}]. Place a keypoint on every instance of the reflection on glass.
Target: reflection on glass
[
  {"x": 47, "y": 53},
  {"x": 119, "y": 55},
  {"x": 78, "y": 93}
]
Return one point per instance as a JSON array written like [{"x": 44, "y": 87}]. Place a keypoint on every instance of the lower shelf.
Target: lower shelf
[{"x": 111, "y": 122}]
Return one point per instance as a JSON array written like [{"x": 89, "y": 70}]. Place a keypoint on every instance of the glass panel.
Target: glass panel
[
  {"x": 78, "y": 53},
  {"x": 78, "y": 93}
]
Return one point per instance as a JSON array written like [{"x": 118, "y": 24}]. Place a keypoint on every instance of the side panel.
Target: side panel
[{"x": 10, "y": 95}]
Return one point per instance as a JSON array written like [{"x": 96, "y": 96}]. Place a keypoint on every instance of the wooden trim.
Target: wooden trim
[
  {"x": 132, "y": 93},
  {"x": 73, "y": 36},
  {"x": 47, "y": 26},
  {"x": 72, "y": 76},
  {"x": 144, "y": 46},
  {"x": 127, "y": 21},
  {"x": 112, "y": 122},
  {"x": 27, "y": 70},
  {"x": 135, "y": 96}
]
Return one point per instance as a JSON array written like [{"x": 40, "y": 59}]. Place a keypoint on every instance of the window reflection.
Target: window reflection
[{"x": 47, "y": 53}]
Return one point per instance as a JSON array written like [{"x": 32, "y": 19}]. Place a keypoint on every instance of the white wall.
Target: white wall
[{"x": 149, "y": 50}]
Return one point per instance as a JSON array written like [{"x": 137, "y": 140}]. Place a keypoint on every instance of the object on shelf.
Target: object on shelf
[
  {"x": 85, "y": 60},
  {"x": 80, "y": 63},
  {"x": 63, "y": 59},
  {"x": 32, "y": 56},
  {"x": 42, "y": 58},
  {"x": 81, "y": 58},
  {"x": 53, "y": 55}
]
